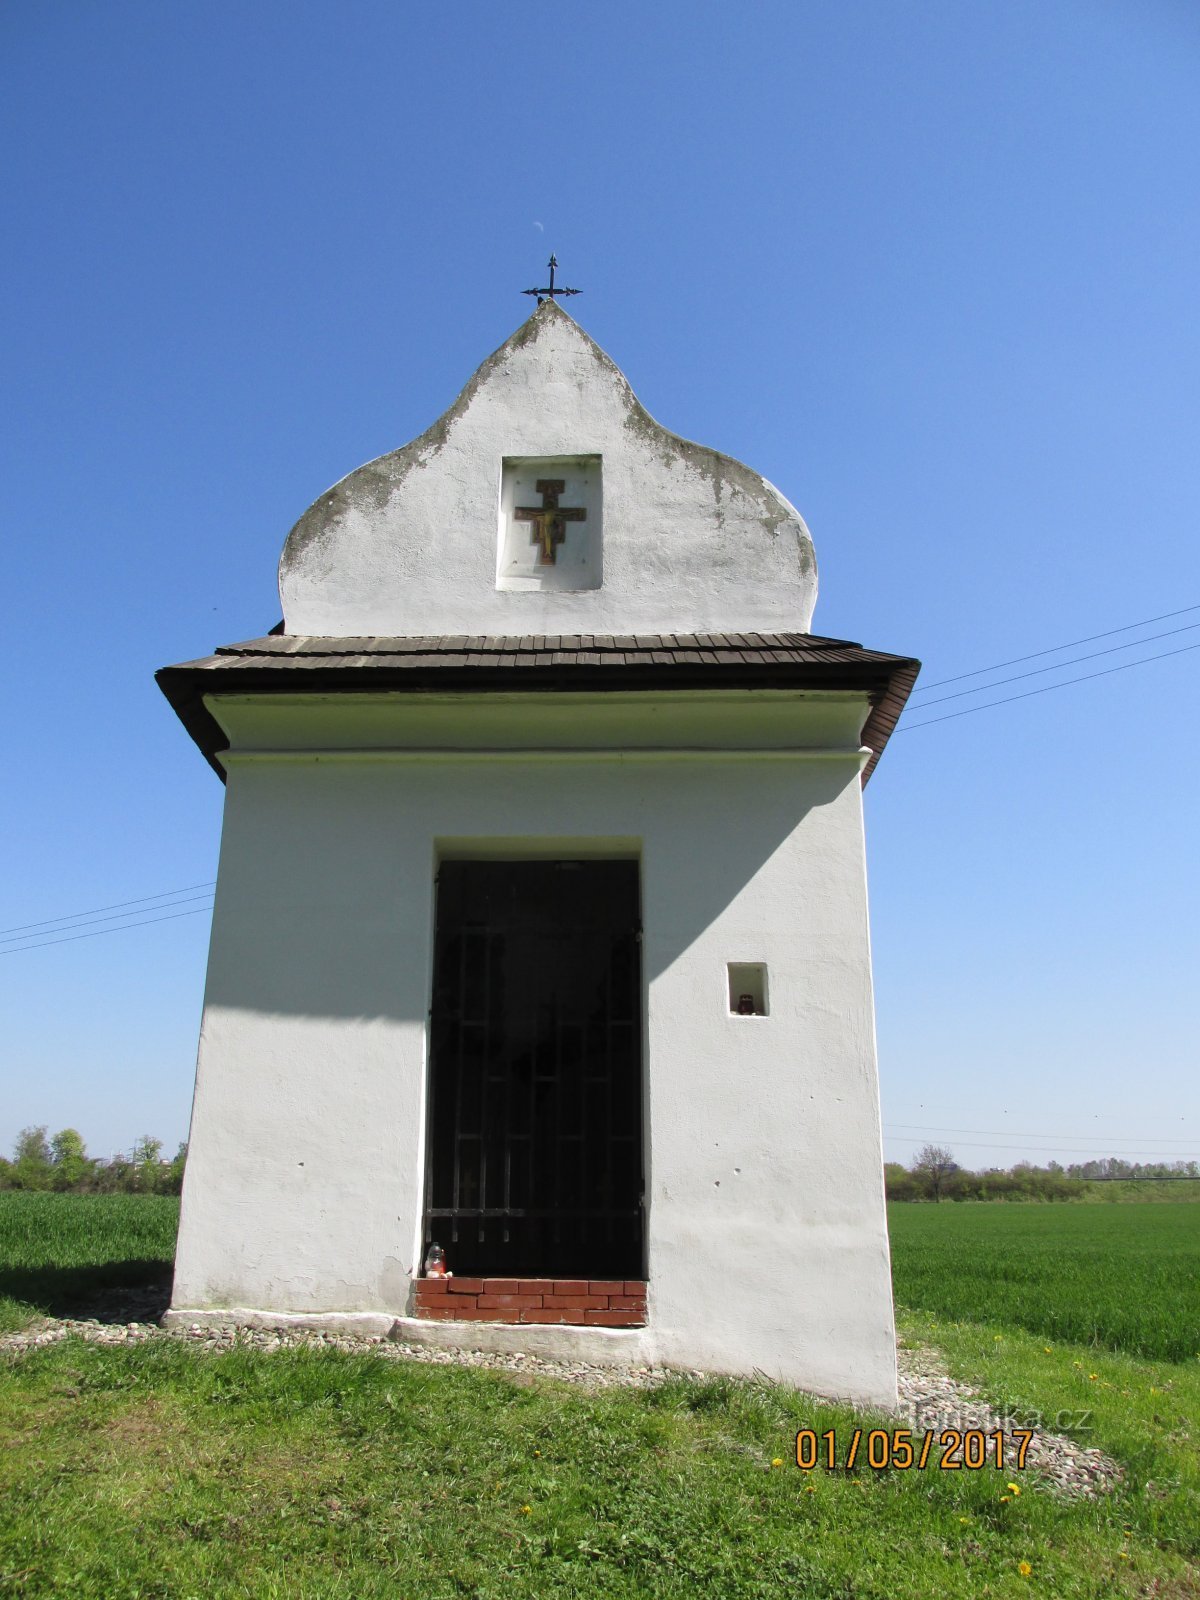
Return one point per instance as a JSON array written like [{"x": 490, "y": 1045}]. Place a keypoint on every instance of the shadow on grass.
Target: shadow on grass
[{"x": 116, "y": 1291}]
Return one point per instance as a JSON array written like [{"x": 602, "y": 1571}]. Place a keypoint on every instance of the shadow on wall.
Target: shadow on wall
[{"x": 325, "y": 909}]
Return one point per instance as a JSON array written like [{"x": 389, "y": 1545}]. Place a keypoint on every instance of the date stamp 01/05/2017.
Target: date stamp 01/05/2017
[{"x": 902, "y": 1449}]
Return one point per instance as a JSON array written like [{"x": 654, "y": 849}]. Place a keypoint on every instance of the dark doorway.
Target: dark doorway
[{"x": 535, "y": 1121}]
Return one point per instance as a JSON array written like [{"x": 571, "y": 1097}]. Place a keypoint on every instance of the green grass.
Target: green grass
[
  {"x": 57, "y": 1249},
  {"x": 164, "y": 1470},
  {"x": 1126, "y": 1277}
]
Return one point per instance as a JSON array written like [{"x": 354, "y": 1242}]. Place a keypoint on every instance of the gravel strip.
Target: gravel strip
[
  {"x": 930, "y": 1400},
  {"x": 594, "y": 1376}
]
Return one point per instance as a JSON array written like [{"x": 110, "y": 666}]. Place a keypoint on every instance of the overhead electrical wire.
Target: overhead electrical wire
[
  {"x": 1000, "y": 1133},
  {"x": 163, "y": 894},
  {"x": 1048, "y": 689},
  {"x": 119, "y": 916},
  {"x": 1049, "y": 1149},
  {"x": 1061, "y": 666},
  {"x": 1054, "y": 649},
  {"x": 32, "y": 935},
  {"x": 99, "y": 932},
  {"x": 1047, "y": 1142}
]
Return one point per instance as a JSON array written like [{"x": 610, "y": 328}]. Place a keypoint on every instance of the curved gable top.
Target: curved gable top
[{"x": 456, "y": 533}]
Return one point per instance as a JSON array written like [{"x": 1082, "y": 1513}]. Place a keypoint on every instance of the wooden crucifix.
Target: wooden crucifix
[{"x": 549, "y": 519}]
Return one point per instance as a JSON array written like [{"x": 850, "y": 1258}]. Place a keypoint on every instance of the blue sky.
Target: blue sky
[{"x": 929, "y": 267}]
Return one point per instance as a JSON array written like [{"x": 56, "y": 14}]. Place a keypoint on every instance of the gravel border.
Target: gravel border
[{"x": 930, "y": 1400}]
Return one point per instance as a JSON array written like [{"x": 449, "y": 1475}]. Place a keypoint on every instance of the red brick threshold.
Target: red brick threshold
[{"x": 581, "y": 1302}]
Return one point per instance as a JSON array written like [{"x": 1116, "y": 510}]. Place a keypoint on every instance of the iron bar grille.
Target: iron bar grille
[{"x": 535, "y": 1124}]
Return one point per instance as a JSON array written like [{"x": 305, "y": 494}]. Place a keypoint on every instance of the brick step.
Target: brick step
[{"x": 580, "y": 1302}]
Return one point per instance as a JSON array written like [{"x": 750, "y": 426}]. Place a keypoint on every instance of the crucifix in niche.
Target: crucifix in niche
[{"x": 549, "y": 519}]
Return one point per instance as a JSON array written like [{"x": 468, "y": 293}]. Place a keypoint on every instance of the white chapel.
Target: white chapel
[{"x": 541, "y": 916}]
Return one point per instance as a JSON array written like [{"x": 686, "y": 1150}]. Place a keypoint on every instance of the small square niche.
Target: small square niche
[
  {"x": 748, "y": 988},
  {"x": 551, "y": 510}
]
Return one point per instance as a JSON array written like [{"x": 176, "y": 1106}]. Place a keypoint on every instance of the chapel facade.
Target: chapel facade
[{"x": 541, "y": 921}]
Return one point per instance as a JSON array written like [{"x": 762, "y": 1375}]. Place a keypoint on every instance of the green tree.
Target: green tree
[
  {"x": 144, "y": 1157},
  {"x": 934, "y": 1165},
  {"x": 69, "y": 1157},
  {"x": 31, "y": 1159},
  {"x": 172, "y": 1181},
  {"x": 899, "y": 1183}
]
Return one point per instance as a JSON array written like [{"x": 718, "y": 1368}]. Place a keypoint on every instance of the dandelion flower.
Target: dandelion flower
[
  {"x": 778, "y": 1461},
  {"x": 1124, "y": 1554},
  {"x": 1013, "y": 1488},
  {"x": 810, "y": 1489},
  {"x": 1047, "y": 1349},
  {"x": 525, "y": 1510},
  {"x": 1004, "y": 1499},
  {"x": 1092, "y": 1376},
  {"x": 964, "y": 1519},
  {"x": 1024, "y": 1568}
]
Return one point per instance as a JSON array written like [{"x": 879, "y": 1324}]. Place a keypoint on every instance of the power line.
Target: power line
[
  {"x": 1048, "y": 1141},
  {"x": 1049, "y": 688},
  {"x": 116, "y": 906},
  {"x": 83, "y": 922},
  {"x": 1158, "y": 1177},
  {"x": 1049, "y": 1149},
  {"x": 1061, "y": 666},
  {"x": 1000, "y": 1133},
  {"x": 99, "y": 932},
  {"x": 84, "y": 918},
  {"x": 1054, "y": 649},
  {"x": 953, "y": 1111}
]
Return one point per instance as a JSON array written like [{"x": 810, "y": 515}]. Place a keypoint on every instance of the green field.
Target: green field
[
  {"x": 58, "y": 1250},
  {"x": 1123, "y": 1276},
  {"x": 1120, "y": 1191},
  {"x": 161, "y": 1471}
]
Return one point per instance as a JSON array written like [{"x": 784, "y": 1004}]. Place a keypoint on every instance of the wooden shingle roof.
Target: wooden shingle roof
[{"x": 297, "y": 663}]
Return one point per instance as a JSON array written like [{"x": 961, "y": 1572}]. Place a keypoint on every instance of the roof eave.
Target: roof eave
[{"x": 887, "y": 683}]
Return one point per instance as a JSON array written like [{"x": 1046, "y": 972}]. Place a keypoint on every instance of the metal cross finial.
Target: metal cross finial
[{"x": 551, "y": 293}]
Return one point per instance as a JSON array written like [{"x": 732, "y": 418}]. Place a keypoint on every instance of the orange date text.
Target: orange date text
[{"x": 951, "y": 1450}]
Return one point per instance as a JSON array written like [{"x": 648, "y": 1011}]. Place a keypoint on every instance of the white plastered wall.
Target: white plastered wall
[
  {"x": 688, "y": 539},
  {"x": 767, "y": 1237}
]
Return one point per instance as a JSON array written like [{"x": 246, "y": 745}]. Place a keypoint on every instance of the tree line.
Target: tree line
[
  {"x": 935, "y": 1175},
  {"x": 61, "y": 1163}
]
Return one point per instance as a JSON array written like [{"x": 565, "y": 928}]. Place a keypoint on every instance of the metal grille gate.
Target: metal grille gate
[{"x": 535, "y": 1122}]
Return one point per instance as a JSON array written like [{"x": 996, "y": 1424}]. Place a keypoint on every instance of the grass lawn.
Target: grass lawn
[{"x": 164, "y": 1470}]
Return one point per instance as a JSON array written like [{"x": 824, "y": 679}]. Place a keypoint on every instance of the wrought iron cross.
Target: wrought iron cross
[
  {"x": 549, "y": 519},
  {"x": 551, "y": 293}
]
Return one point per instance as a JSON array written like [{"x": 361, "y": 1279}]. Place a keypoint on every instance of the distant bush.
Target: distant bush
[
  {"x": 62, "y": 1164},
  {"x": 935, "y": 1175}
]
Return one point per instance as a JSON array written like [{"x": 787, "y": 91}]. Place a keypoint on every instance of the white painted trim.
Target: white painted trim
[{"x": 560, "y": 1341}]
